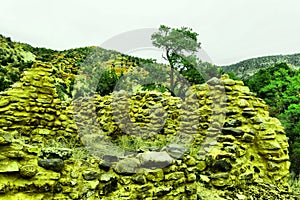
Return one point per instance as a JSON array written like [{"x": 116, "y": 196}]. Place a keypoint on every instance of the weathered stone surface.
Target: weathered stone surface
[
  {"x": 219, "y": 176},
  {"x": 242, "y": 89},
  {"x": 175, "y": 150},
  {"x": 201, "y": 166},
  {"x": 204, "y": 178},
  {"x": 174, "y": 176},
  {"x": 232, "y": 123},
  {"x": 106, "y": 177},
  {"x": 47, "y": 176},
  {"x": 229, "y": 82},
  {"x": 240, "y": 196},
  {"x": 232, "y": 131},
  {"x": 5, "y": 123},
  {"x": 5, "y": 138},
  {"x": 246, "y": 176},
  {"x": 249, "y": 112},
  {"x": 128, "y": 166},
  {"x": 269, "y": 145},
  {"x": 54, "y": 164},
  {"x": 160, "y": 191},
  {"x": 28, "y": 171},
  {"x": 8, "y": 166},
  {"x": 248, "y": 138},
  {"x": 43, "y": 132},
  {"x": 51, "y": 152},
  {"x": 221, "y": 166},
  {"x": 190, "y": 161},
  {"x": 155, "y": 175},
  {"x": 220, "y": 182},
  {"x": 155, "y": 159},
  {"x": 214, "y": 81},
  {"x": 90, "y": 175},
  {"x": 139, "y": 179},
  {"x": 243, "y": 103},
  {"x": 225, "y": 138},
  {"x": 4, "y": 102},
  {"x": 273, "y": 166},
  {"x": 63, "y": 117},
  {"x": 15, "y": 154}
]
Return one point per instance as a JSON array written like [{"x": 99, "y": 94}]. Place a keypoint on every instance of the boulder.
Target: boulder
[
  {"x": 155, "y": 159},
  {"x": 54, "y": 164}
]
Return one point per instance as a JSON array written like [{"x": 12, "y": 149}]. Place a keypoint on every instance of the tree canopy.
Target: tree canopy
[{"x": 179, "y": 46}]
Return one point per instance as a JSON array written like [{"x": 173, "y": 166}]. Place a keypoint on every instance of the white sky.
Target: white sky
[{"x": 230, "y": 30}]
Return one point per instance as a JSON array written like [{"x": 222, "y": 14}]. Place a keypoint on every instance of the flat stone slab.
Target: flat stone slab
[{"x": 155, "y": 159}]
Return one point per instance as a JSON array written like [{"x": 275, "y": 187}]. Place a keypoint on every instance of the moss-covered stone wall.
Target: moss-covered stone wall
[{"x": 217, "y": 142}]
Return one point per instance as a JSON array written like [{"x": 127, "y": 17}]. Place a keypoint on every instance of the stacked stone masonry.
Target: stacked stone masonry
[{"x": 220, "y": 137}]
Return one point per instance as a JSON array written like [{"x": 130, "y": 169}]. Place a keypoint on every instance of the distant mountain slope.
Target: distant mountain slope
[{"x": 249, "y": 67}]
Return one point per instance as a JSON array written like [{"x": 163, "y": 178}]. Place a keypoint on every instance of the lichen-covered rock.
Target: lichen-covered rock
[
  {"x": 7, "y": 166},
  {"x": 5, "y": 138},
  {"x": 62, "y": 153},
  {"x": 128, "y": 166},
  {"x": 4, "y": 102},
  {"x": 106, "y": 177},
  {"x": 28, "y": 171}
]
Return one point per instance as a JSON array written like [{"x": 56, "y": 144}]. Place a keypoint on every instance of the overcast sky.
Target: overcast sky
[{"x": 229, "y": 30}]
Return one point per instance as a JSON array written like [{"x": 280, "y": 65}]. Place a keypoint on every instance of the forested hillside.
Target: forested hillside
[{"x": 247, "y": 68}]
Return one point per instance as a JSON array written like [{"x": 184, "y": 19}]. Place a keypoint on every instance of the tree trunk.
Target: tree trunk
[{"x": 172, "y": 86}]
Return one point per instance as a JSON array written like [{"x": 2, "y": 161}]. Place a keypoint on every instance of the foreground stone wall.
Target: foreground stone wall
[{"x": 219, "y": 142}]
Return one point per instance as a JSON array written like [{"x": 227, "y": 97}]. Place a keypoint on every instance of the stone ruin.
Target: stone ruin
[{"x": 217, "y": 143}]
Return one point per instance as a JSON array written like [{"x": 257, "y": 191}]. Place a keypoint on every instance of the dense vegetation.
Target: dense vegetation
[{"x": 249, "y": 67}]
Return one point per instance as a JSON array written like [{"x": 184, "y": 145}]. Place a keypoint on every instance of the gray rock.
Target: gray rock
[
  {"x": 175, "y": 150},
  {"x": 127, "y": 166},
  {"x": 55, "y": 164},
  {"x": 90, "y": 175},
  {"x": 106, "y": 177},
  {"x": 214, "y": 81},
  {"x": 155, "y": 159}
]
